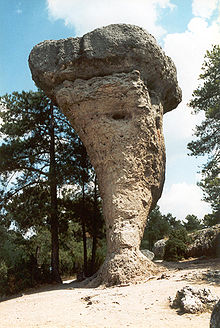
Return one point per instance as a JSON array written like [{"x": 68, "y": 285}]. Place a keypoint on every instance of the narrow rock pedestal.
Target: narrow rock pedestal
[{"x": 121, "y": 130}]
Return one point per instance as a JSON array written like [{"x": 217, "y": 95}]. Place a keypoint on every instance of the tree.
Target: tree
[
  {"x": 40, "y": 155},
  {"x": 84, "y": 178},
  {"x": 176, "y": 246},
  {"x": 206, "y": 99},
  {"x": 157, "y": 227},
  {"x": 18, "y": 263},
  {"x": 96, "y": 226},
  {"x": 85, "y": 209},
  {"x": 211, "y": 219},
  {"x": 192, "y": 223},
  {"x": 37, "y": 140},
  {"x": 174, "y": 224}
]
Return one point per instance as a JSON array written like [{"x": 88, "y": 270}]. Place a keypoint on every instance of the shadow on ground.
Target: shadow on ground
[{"x": 202, "y": 269}]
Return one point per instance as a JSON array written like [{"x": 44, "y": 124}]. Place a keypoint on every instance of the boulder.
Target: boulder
[
  {"x": 114, "y": 85},
  {"x": 205, "y": 242},
  {"x": 192, "y": 300},
  {"x": 148, "y": 254},
  {"x": 215, "y": 316},
  {"x": 159, "y": 249}
]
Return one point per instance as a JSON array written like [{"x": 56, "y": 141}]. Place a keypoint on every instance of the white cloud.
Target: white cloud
[
  {"x": 182, "y": 199},
  {"x": 204, "y": 8},
  {"x": 187, "y": 50},
  {"x": 86, "y": 15}
]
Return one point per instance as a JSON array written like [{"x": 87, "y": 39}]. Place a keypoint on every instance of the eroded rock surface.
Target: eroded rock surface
[
  {"x": 148, "y": 254},
  {"x": 205, "y": 242},
  {"x": 114, "y": 84},
  {"x": 159, "y": 248},
  {"x": 192, "y": 300}
]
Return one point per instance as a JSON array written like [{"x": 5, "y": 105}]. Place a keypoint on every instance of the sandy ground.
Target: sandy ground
[{"x": 141, "y": 305}]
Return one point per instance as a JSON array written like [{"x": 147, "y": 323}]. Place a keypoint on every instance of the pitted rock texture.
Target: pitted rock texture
[
  {"x": 116, "y": 48},
  {"x": 192, "y": 300},
  {"x": 114, "y": 84},
  {"x": 205, "y": 242},
  {"x": 159, "y": 248}
]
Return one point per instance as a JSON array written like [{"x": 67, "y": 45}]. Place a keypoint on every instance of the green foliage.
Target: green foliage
[
  {"x": 99, "y": 258},
  {"x": 210, "y": 184},
  {"x": 26, "y": 147},
  {"x": 192, "y": 223},
  {"x": 3, "y": 278},
  {"x": 211, "y": 219},
  {"x": 18, "y": 264},
  {"x": 206, "y": 99},
  {"x": 176, "y": 246},
  {"x": 158, "y": 226},
  {"x": 40, "y": 153},
  {"x": 29, "y": 130},
  {"x": 86, "y": 211}
]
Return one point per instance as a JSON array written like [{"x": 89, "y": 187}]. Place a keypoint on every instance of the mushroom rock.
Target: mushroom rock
[{"x": 114, "y": 84}]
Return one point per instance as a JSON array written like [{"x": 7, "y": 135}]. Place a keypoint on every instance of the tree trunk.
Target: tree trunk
[
  {"x": 94, "y": 237},
  {"x": 85, "y": 268},
  {"x": 54, "y": 210}
]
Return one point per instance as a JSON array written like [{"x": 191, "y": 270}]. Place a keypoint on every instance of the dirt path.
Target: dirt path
[{"x": 143, "y": 305}]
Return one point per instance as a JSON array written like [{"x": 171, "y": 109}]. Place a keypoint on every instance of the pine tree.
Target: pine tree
[
  {"x": 206, "y": 99},
  {"x": 37, "y": 157}
]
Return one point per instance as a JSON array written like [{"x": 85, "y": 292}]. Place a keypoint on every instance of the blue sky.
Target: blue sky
[
  {"x": 24, "y": 24},
  {"x": 184, "y": 28}
]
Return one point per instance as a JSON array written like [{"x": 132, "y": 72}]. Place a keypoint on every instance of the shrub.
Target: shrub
[{"x": 176, "y": 246}]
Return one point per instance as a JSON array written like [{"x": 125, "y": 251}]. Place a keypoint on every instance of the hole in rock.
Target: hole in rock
[
  {"x": 119, "y": 116},
  {"x": 158, "y": 123},
  {"x": 144, "y": 203}
]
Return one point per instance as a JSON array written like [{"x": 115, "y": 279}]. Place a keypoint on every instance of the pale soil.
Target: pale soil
[{"x": 142, "y": 305}]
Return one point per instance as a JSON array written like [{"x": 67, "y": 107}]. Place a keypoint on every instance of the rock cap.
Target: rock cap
[{"x": 112, "y": 49}]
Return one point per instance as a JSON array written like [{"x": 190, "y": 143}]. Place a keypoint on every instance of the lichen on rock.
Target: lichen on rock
[{"x": 114, "y": 85}]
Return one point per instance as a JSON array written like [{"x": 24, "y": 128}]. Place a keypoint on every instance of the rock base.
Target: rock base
[{"x": 127, "y": 267}]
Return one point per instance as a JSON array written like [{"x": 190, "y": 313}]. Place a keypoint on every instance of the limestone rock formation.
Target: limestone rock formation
[
  {"x": 205, "y": 242},
  {"x": 215, "y": 317},
  {"x": 159, "y": 249},
  {"x": 148, "y": 254},
  {"x": 192, "y": 300},
  {"x": 114, "y": 85}
]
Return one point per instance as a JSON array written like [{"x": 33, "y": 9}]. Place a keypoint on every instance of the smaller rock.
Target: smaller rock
[
  {"x": 164, "y": 276},
  {"x": 212, "y": 276},
  {"x": 215, "y": 317},
  {"x": 192, "y": 300},
  {"x": 159, "y": 248},
  {"x": 148, "y": 254}
]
